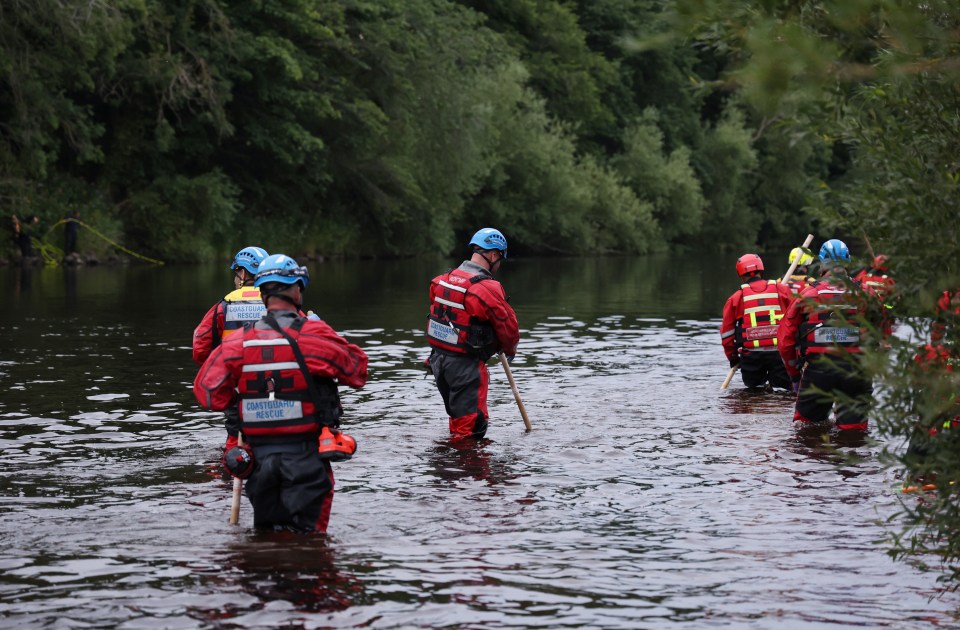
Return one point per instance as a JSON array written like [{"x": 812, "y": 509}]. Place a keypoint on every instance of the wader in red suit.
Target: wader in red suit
[
  {"x": 939, "y": 359},
  {"x": 749, "y": 331},
  {"x": 283, "y": 373},
  {"x": 879, "y": 283},
  {"x": 798, "y": 282},
  {"x": 469, "y": 321},
  {"x": 819, "y": 340},
  {"x": 225, "y": 317}
]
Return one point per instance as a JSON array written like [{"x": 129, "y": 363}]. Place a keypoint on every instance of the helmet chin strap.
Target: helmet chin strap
[
  {"x": 279, "y": 294},
  {"x": 490, "y": 264}
]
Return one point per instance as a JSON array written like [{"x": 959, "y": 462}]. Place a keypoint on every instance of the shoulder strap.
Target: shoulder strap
[{"x": 271, "y": 321}]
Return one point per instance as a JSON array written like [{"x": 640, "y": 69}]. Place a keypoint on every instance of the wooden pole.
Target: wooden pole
[
  {"x": 726, "y": 381},
  {"x": 516, "y": 392},
  {"x": 237, "y": 489}
]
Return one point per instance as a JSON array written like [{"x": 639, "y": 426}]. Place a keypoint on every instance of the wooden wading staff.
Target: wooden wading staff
[
  {"x": 516, "y": 392},
  {"x": 237, "y": 489},
  {"x": 790, "y": 270}
]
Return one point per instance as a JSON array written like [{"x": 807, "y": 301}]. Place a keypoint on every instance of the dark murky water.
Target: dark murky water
[{"x": 644, "y": 497}]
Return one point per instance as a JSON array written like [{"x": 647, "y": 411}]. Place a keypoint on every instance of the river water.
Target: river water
[{"x": 644, "y": 497}]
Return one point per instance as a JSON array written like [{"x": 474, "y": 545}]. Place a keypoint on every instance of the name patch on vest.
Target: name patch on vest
[
  {"x": 446, "y": 334},
  {"x": 239, "y": 312},
  {"x": 263, "y": 410},
  {"x": 760, "y": 332},
  {"x": 830, "y": 334}
]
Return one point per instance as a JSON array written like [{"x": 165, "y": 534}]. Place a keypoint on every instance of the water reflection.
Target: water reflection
[
  {"x": 70, "y": 284},
  {"x": 823, "y": 442},
  {"x": 754, "y": 401},
  {"x": 271, "y": 567},
  {"x": 643, "y": 497},
  {"x": 24, "y": 280},
  {"x": 453, "y": 460}
]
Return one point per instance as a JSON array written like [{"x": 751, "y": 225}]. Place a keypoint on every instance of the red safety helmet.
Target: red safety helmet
[{"x": 749, "y": 263}]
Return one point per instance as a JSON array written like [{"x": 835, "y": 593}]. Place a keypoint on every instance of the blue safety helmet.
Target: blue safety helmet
[
  {"x": 834, "y": 250},
  {"x": 249, "y": 258},
  {"x": 283, "y": 269},
  {"x": 489, "y": 238}
]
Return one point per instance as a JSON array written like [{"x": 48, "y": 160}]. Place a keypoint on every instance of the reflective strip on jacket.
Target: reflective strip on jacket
[
  {"x": 761, "y": 312},
  {"x": 733, "y": 313},
  {"x": 239, "y": 307},
  {"x": 275, "y": 400},
  {"x": 831, "y": 324},
  {"x": 450, "y": 325}
]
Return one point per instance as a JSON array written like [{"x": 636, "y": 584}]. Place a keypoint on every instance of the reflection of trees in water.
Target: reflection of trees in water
[
  {"x": 452, "y": 460},
  {"x": 284, "y": 566}
]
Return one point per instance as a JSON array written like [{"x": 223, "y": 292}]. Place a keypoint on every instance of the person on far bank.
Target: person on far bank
[
  {"x": 469, "y": 322},
  {"x": 800, "y": 279},
  {"x": 820, "y": 339},
  {"x": 25, "y": 232},
  {"x": 241, "y": 305},
  {"x": 749, "y": 326},
  {"x": 70, "y": 229},
  {"x": 282, "y": 374}
]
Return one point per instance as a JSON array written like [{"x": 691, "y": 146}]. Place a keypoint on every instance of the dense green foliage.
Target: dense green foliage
[
  {"x": 188, "y": 128},
  {"x": 878, "y": 80}
]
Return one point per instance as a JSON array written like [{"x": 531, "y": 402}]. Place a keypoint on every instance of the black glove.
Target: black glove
[
  {"x": 231, "y": 421},
  {"x": 735, "y": 361}
]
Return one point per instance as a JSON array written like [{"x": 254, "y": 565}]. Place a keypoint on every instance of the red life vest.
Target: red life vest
[
  {"x": 878, "y": 283},
  {"x": 449, "y": 326},
  {"x": 762, "y": 312},
  {"x": 276, "y": 404},
  {"x": 798, "y": 283},
  {"x": 831, "y": 324}
]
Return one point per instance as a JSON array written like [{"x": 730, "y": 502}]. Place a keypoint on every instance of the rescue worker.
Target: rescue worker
[
  {"x": 938, "y": 363},
  {"x": 819, "y": 340},
  {"x": 282, "y": 372},
  {"x": 800, "y": 279},
  {"x": 947, "y": 316},
  {"x": 469, "y": 322},
  {"x": 749, "y": 327},
  {"x": 227, "y": 316},
  {"x": 877, "y": 281},
  {"x": 70, "y": 229},
  {"x": 241, "y": 305}
]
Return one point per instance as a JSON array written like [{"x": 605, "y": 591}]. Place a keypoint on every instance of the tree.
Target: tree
[{"x": 878, "y": 80}]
